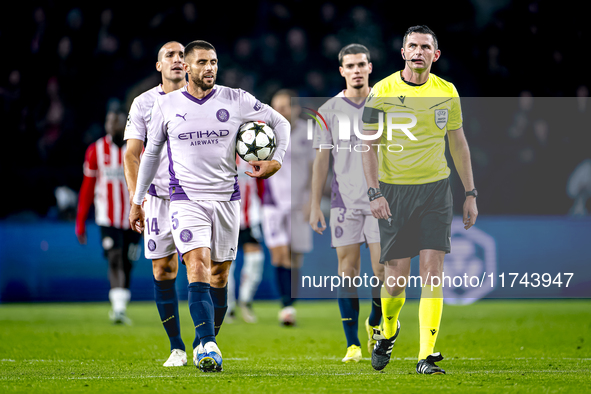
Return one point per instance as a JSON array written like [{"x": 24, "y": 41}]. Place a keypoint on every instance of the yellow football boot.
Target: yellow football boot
[
  {"x": 370, "y": 341},
  {"x": 353, "y": 354}
]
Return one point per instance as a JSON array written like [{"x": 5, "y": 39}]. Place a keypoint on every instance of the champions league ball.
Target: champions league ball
[{"x": 255, "y": 141}]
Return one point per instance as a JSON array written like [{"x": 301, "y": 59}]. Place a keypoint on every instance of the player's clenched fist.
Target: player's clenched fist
[{"x": 136, "y": 218}]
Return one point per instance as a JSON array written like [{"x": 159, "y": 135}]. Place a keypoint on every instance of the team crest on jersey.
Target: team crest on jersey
[
  {"x": 223, "y": 115},
  {"x": 186, "y": 235},
  {"x": 441, "y": 116},
  {"x": 257, "y": 106},
  {"x": 151, "y": 245}
]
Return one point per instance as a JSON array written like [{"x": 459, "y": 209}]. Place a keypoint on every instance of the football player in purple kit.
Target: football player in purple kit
[
  {"x": 159, "y": 244},
  {"x": 198, "y": 125},
  {"x": 351, "y": 220}
]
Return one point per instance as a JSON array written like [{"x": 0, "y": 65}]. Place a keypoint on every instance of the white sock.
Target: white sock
[
  {"x": 252, "y": 273},
  {"x": 119, "y": 298}
]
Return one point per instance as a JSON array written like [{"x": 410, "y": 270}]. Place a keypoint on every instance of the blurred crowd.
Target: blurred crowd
[{"x": 68, "y": 62}]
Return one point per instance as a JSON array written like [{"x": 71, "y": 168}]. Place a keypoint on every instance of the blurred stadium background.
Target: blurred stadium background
[
  {"x": 520, "y": 68},
  {"x": 66, "y": 62}
]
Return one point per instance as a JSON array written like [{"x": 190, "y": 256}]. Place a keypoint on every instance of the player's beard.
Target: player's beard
[
  {"x": 202, "y": 85},
  {"x": 358, "y": 85}
]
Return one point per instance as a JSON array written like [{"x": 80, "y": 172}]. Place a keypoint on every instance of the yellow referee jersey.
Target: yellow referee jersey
[{"x": 414, "y": 120}]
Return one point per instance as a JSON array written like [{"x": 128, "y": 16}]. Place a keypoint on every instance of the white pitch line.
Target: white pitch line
[
  {"x": 319, "y": 358},
  {"x": 258, "y": 375}
]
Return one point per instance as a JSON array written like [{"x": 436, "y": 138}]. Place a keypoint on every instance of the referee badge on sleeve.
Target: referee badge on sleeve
[{"x": 441, "y": 116}]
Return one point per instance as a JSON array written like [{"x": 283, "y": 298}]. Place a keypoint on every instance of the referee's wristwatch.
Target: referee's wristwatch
[
  {"x": 473, "y": 193},
  {"x": 374, "y": 193}
]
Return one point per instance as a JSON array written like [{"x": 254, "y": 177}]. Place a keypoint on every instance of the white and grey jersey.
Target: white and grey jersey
[
  {"x": 137, "y": 128},
  {"x": 200, "y": 140},
  {"x": 349, "y": 187}
]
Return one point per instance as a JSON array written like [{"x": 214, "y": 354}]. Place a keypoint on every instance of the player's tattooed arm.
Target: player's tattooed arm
[{"x": 131, "y": 164}]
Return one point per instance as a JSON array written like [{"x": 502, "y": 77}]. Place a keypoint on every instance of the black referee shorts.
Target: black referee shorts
[{"x": 421, "y": 219}]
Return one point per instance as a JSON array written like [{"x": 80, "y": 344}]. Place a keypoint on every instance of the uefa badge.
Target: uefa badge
[{"x": 441, "y": 116}]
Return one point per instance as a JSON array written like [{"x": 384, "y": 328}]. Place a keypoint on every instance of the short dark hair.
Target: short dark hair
[
  {"x": 160, "y": 50},
  {"x": 353, "y": 49},
  {"x": 422, "y": 29},
  {"x": 198, "y": 44}
]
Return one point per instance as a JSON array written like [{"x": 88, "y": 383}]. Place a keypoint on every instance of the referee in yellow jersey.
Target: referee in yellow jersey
[{"x": 409, "y": 192}]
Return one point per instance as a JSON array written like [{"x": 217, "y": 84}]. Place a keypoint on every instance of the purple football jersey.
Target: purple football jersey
[{"x": 199, "y": 136}]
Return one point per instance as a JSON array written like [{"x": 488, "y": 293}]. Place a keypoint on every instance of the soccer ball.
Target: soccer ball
[{"x": 255, "y": 141}]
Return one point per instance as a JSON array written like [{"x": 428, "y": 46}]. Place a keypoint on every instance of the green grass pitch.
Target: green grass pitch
[{"x": 490, "y": 346}]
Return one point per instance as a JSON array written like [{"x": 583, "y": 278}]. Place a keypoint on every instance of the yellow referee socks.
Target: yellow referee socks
[
  {"x": 430, "y": 310},
  {"x": 391, "y": 307}
]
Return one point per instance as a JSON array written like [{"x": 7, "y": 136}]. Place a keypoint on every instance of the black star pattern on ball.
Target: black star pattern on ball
[
  {"x": 252, "y": 148},
  {"x": 258, "y": 128}
]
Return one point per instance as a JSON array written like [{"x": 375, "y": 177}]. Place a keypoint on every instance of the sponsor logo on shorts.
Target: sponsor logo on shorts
[
  {"x": 186, "y": 235},
  {"x": 338, "y": 231},
  {"x": 223, "y": 115},
  {"x": 151, "y": 245}
]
